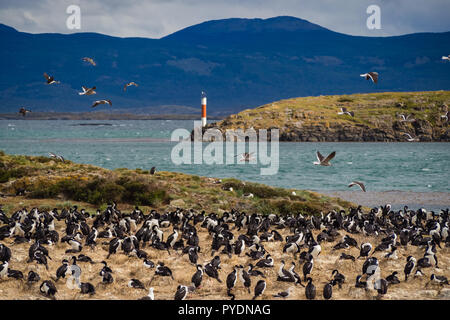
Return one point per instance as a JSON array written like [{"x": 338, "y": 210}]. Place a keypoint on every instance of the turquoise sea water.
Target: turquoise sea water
[{"x": 142, "y": 144}]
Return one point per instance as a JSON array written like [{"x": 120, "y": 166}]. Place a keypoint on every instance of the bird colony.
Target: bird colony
[{"x": 185, "y": 254}]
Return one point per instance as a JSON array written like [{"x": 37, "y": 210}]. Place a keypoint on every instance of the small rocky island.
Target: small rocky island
[{"x": 382, "y": 117}]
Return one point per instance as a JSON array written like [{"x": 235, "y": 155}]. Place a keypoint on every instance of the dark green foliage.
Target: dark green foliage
[
  {"x": 260, "y": 191},
  {"x": 99, "y": 190}
]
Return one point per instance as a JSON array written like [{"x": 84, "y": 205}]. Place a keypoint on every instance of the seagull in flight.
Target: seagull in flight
[
  {"x": 371, "y": 75},
  {"x": 410, "y": 139},
  {"x": 357, "y": 183},
  {"x": 90, "y": 60},
  {"x": 50, "y": 79},
  {"x": 407, "y": 119},
  {"x": 96, "y": 103},
  {"x": 246, "y": 156},
  {"x": 55, "y": 156},
  {"x": 24, "y": 111},
  {"x": 132, "y": 83},
  {"x": 324, "y": 161},
  {"x": 344, "y": 111},
  {"x": 87, "y": 91},
  {"x": 446, "y": 57}
]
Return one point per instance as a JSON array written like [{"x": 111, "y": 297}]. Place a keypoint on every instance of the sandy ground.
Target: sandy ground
[
  {"x": 124, "y": 268},
  {"x": 397, "y": 199}
]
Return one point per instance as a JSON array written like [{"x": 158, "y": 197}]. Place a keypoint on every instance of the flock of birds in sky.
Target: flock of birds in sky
[
  {"x": 373, "y": 76},
  {"x": 235, "y": 233},
  {"x": 85, "y": 91}
]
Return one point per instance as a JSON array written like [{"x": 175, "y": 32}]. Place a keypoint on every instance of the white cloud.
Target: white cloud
[{"x": 157, "y": 18}]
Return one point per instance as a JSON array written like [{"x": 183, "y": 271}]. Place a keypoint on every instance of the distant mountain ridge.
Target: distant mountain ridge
[{"x": 240, "y": 63}]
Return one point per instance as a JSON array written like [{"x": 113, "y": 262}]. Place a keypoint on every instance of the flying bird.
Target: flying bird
[
  {"x": 87, "y": 91},
  {"x": 324, "y": 161},
  {"x": 410, "y": 139},
  {"x": 446, "y": 57},
  {"x": 96, "y": 103},
  {"x": 50, "y": 79},
  {"x": 132, "y": 83},
  {"x": 246, "y": 156},
  {"x": 371, "y": 75},
  {"x": 344, "y": 111},
  {"x": 359, "y": 184},
  {"x": 55, "y": 156},
  {"x": 90, "y": 60},
  {"x": 407, "y": 119},
  {"x": 24, "y": 111}
]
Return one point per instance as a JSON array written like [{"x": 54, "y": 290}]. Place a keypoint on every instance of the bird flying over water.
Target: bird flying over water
[
  {"x": 344, "y": 111},
  {"x": 446, "y": 57},
  {"x": 50, "y": 79},
  {"x": 246, "y": 156},
  {"x": 324, "y": 161},
  {"x": 370, "y": 75},
  {"x": 87, "y": 91},
  {"x": 410, "y": 139},
  {"x": 407, "y": 119},
  {"x": 96, "y": 103},
  {"x": 24, "y": 111},
  {"x": 132, "y": 83},
  {"x": 90, "y": 60},
  {"x": 357, "y": 183},
  {"x": 55, "y": 156}
]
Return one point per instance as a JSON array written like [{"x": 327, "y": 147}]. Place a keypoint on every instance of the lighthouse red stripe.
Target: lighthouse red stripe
[{"x": 203, "y": 110}]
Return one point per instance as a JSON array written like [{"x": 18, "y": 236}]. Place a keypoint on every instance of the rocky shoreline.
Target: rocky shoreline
[
  {"x": 423, "y": 131},
  {"x": 363, "y": 133},
  {"x": 377, "y": 118}
]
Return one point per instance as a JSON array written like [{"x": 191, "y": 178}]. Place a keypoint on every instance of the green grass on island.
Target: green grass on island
[{"x": 379, "y": 112}]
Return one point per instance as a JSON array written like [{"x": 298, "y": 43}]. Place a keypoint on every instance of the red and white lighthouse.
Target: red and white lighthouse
[{"x": 203, "y": 101}]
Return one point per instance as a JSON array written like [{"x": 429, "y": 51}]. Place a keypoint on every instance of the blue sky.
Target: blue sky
[{"x": 157, "y": 18}]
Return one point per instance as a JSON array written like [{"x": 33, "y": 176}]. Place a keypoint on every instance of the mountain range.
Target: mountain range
[{"x": 239, "y": 63}]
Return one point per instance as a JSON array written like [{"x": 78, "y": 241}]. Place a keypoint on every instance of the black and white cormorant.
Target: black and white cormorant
[
  {"x": 48, "y": 289},
  {"x": 231, "y": 281},
  {"x": 259, "y": 289},
  {"x": 310, "y": 289},
  {"x": 181, "y": 293},
  {"x": 197, "y": 277},
  {"x": 409, "y": 267},
  {"x": 328, "y": 290}
]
